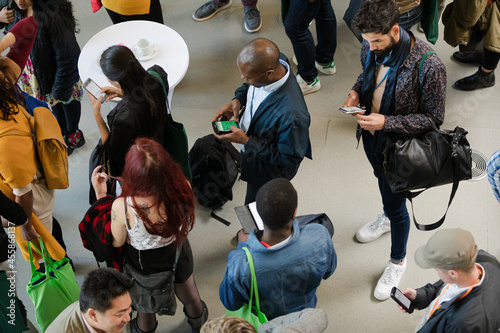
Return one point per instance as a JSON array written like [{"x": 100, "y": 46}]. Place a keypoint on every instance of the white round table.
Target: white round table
[{"x": 172, "y": 56}]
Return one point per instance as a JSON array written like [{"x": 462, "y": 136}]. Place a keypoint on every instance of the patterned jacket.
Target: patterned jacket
[{"x": 410, "y": 104}]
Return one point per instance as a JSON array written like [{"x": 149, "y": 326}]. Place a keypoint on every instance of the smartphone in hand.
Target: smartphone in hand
[
  {"x": 94, "y": 89},
  {"x": 223, "y": 127},
  {"x": 402, "y": 300},
  {"x": 351, "y": 109}
]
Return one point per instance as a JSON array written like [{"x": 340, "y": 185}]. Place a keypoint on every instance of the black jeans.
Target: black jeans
[
  {"x": 300, "y": 14},
  {"x": 394, "y": 204}
]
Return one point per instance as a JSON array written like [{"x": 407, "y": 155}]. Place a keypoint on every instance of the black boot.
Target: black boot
[
  {"x": 134, "y": 328},
  {"x": 197, "y": 323},
  {"x": 476, "y": 81},
  {"x": 468, "y": 57}
]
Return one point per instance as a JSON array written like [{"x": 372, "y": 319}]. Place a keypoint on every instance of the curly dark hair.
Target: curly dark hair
[
  {"x": 376, "y": 16},
  {"x": 11, "y": 95}
]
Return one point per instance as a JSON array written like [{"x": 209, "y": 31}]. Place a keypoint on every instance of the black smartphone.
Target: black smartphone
[
  {"x": 401, "y": 299},
  {"x": 94, "y": 89},
  {"x": 223, "y": 127}
]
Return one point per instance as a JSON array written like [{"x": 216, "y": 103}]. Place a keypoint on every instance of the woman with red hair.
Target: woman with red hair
[{"x": 151, "y": 219}]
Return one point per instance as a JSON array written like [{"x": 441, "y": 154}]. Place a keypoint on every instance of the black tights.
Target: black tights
[{"x": 68, "y": 116}]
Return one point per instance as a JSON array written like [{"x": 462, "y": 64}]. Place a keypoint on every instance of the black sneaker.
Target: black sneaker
[
  {"x": 208, "y": 10},
  {"x": 478, "y": 80},
  {"x": 253, "y": 22}
]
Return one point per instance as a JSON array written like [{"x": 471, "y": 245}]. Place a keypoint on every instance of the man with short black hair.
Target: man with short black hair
[
  {"x": 402, "y": 83},
  {"x": 104, "y": 305},
  {"x": 290, "y": 260},
  {"x": 466, "y": 298}
]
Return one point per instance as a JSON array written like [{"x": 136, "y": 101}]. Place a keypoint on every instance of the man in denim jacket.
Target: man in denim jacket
[{"x": 290, "y": 260}]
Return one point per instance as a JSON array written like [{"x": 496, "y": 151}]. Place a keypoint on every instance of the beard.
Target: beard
[{"x": 386, "y": 51}]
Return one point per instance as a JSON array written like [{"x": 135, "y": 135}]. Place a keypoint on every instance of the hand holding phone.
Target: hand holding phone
[
  {"x": 223, "y": 127},
  {"x": 94, "y": 89},
  {"x": 402, "y": 300}
]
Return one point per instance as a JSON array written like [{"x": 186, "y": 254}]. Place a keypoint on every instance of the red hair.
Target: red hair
[{"x": 150, "y": 171}]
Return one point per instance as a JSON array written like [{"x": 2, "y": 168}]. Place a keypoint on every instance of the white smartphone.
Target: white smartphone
[
  {"x": 94, "y": 89},
  {"x": 351, "y": 109}
]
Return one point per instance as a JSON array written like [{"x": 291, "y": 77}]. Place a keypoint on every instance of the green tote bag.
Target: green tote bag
[
  {"x": 249, "y": 312},
  {"x": 51, "y": 291}
]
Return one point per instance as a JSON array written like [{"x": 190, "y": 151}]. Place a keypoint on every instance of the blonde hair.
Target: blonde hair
[{"x": 227, "y": 324}]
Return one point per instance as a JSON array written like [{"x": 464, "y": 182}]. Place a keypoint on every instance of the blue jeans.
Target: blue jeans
[
  {"x": 394, "y": 204},
  {"x": 411, "y": 17},
  {"x": 300, "y": 14}
]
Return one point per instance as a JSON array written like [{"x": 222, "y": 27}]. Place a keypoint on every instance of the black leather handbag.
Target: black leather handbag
[{"x": 426, "y": 160}]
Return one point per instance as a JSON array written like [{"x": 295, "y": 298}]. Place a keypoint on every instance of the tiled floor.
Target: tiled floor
[{"x": 338, "y": 181}]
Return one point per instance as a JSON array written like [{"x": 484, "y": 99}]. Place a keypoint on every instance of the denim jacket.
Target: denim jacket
[{"x": 287, "y": 276}]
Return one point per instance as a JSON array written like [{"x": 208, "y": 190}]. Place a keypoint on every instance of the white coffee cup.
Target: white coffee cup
[{"x": 144, "y": 47}]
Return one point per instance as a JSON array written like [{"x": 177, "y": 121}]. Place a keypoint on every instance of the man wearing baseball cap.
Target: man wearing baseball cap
[{"x": 467, "y": 296}]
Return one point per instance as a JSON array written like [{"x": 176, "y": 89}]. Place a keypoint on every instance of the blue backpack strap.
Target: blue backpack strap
[{"x": 32, "y": 103}]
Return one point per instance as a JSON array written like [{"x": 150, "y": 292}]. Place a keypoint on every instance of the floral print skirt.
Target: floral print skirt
[{"x": 29, "y": 84}]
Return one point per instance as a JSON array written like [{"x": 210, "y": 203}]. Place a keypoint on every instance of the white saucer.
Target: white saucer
[{"x": 144, "y": 58}]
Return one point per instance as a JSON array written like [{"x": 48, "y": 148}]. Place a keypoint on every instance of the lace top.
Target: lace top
[{"x": 139, "y": 236}]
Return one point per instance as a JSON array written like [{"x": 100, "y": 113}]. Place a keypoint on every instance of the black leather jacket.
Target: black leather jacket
[{"x": 54, "y": 57}]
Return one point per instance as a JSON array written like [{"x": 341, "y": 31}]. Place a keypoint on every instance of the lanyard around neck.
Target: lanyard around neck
[
  {"x": 383, "y": 79},
  {"x": 436, "y": 307}
]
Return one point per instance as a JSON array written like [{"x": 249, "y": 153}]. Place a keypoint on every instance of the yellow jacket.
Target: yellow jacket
[
  {"x": 128, "y": 7},
  {"x": 17, "y": 168}
]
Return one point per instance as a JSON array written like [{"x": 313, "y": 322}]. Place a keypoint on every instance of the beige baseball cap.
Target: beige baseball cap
[{"x": 448, "y": 249}]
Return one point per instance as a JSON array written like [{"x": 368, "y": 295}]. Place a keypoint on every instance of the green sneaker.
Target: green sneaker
[
  {"x": 328, "y": 69},
  {"x": 308, "y": 88}
]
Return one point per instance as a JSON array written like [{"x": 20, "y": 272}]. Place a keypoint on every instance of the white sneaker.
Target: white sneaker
[
  {"x": 374, "y": 229},
  {"x": 390, "y": 278},
  {"x": 308, "y": 88},
  {"x": 327, "y": 69}
]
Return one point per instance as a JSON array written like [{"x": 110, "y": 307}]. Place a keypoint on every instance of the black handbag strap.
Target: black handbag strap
[
  {"x": 411, "y": 195},
  {"x": 220, "y": 219}
]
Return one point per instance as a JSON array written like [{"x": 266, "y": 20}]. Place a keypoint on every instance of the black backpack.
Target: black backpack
[{"x": 215, "y": 166}]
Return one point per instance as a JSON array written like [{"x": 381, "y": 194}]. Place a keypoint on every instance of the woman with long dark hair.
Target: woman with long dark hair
[
  {"x": 142, "y": 110},
  {"x": 51, "y": 72},
  {"x": 151, "y": 219}
]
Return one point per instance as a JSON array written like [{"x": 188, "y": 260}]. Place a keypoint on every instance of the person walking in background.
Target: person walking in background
[
  {"x": 51, "y": 72},
  {"x": 309, "y": 58},
  {"x": 129, "y": 10},
  {"x": 253, "y": 21},
  {"x": 473, "y": 21},
  {"x": 396, "y": 97}
]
